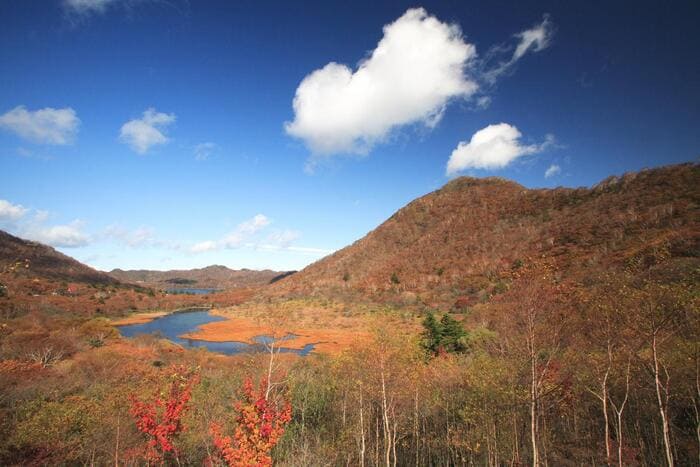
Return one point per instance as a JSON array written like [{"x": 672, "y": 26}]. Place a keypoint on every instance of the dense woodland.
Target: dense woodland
[{"x": 582, "y": 350}]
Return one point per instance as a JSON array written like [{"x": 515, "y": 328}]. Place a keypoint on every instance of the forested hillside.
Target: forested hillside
[
  {"x": 32, "y": 259},
  {"x": 483, "y": 324},
  {"x": 460, "y": 244}
]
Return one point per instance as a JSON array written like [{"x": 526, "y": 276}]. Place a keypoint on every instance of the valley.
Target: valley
[
  {"x": 349, "y": 234},
  {"x": 455, "y": 301}
]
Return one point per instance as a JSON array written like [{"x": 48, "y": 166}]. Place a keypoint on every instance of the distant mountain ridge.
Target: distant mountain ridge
[
  {"x": 215, "y": 276},
  {"x": 461, "y": 243}
]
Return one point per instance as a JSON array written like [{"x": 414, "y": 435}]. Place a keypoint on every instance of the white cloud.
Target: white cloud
[
  {"x": 246, "y": 235},
  {"x": 140, "y": 237},
  {"x": 283, "y": 238},
  {"x": 416, "y": 69},
  {"x": 296, "y": 249},
  {"x": 87, "y": 6},
  {"x": 201, "y": 247},
  {"x": 41, "y": 216},
  {"x": 483, "y": 102},
  {"x": 244, "y": 231},
  {"x": 33, "y": 227},
  {"x": 553, "y": 170},
  {"x": 143, "y": 133},
  {"x": 11, "y": 212},
  {"x": 67, "y": 236},
  {"x": 203, "y": 151},
  {"x": 493, "y": 147},
  {"x": 535, "y": 39},
  {"x": 237, "y": 238},
  {"x": 44, "y": 126}
]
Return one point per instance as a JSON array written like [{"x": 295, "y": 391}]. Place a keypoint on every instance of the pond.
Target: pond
[
  {"x": 174, "y": 325},
  {"x": 191, "y": 291}
]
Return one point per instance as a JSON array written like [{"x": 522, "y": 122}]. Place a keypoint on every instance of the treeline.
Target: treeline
[{"x": 549, "y": 373}]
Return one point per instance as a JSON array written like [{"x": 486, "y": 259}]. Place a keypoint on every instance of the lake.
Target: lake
[
  {"x": 172, "y": 326},
  {"x": 191, "y": 291}
]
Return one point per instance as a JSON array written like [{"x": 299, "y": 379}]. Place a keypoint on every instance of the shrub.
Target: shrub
[{"x": 260, "y": 425}]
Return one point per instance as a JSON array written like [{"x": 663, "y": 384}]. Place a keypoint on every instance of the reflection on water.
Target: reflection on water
[{"x": 172, "y": 326}]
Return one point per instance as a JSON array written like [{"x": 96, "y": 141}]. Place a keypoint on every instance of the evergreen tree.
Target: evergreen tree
[
  {"x": 453, "y": 334},
  {"x": 432, "y": 335}
]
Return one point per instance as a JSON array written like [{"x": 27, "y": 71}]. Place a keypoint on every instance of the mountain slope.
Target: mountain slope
[
  {"x": 32, "y": 259},
  {"x": 219, "y": 277},
  {"x": 460, "y": 244}
]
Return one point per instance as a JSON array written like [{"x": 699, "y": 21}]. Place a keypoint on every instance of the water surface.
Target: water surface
[
  {"x": 191, "y": 291},
  {"x": 172, "y": 326}
]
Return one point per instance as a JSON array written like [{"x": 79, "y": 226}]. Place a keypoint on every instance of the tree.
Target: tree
[
  {"x": 453, "y": 334},
  {"x": 432, "y": 334},
  {"x": 446, "y": 335},
  {"x": 260, "y": 425},
  {"x": 161, "y": 420},
  {"x": 662, "y": 309},
  {"x": 540, "y": 320}
]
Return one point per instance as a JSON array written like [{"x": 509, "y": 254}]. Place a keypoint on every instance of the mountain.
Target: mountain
[
  {"x": 36, "y": 277},
  {"x": 218, "y": 277},
  {"x": 460, "y": 244},
  {"x": 31, "y": 259}
]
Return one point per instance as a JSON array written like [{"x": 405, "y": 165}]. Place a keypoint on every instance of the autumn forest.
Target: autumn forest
[{"x": 550, "y": 328}]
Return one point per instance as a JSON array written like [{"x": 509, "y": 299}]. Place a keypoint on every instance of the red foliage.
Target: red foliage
[
  {"x": 161, "y": 419},
  {"x": 260, "y": 425}
]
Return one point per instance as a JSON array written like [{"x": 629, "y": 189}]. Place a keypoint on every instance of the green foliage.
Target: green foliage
[
  {"x": 446, "y": 335},
  {"x": 499, "y": 288},
  {"x": 62, "y": 425},
  {"x": 432, "y": 334},
  {"x": 395, "y": 278},
  {"x": 453, "y": 334},
  {"x": 95, "y": 342},
  {"x": 346, "y": 276}
]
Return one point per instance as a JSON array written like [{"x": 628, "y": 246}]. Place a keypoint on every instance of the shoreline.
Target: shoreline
[
  {"x": 147, "y": 316},
  {"x": 245, "y": 329}
]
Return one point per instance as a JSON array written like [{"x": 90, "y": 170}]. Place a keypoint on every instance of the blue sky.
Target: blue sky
[{"x": 173, "y": 134}]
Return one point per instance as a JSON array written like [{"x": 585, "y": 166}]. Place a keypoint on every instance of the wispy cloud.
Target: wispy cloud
[
  {"x": 203, "y": 247},
  {"x": 204, "y": 151},
  {"x": 552, "y": 171},
  {"x": 236, "y": 238},
  {"x": 535, "y": 39},
  {"x": 32, "y": 224},
  {"x": 69, "y": 235},
  {"x": 11, "y": 212},
  {"x": 148, "y": 131},
  {"x": 244, "y": 231},
  {"x": 295, "y": 249},
  {"x": 86, "y": 7},
  {"x": 43, "y": 126},
  {"x": 493, "y": 147},
  {"x": 142, "y": 236},
  {"x": 248, "y": 233}
]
